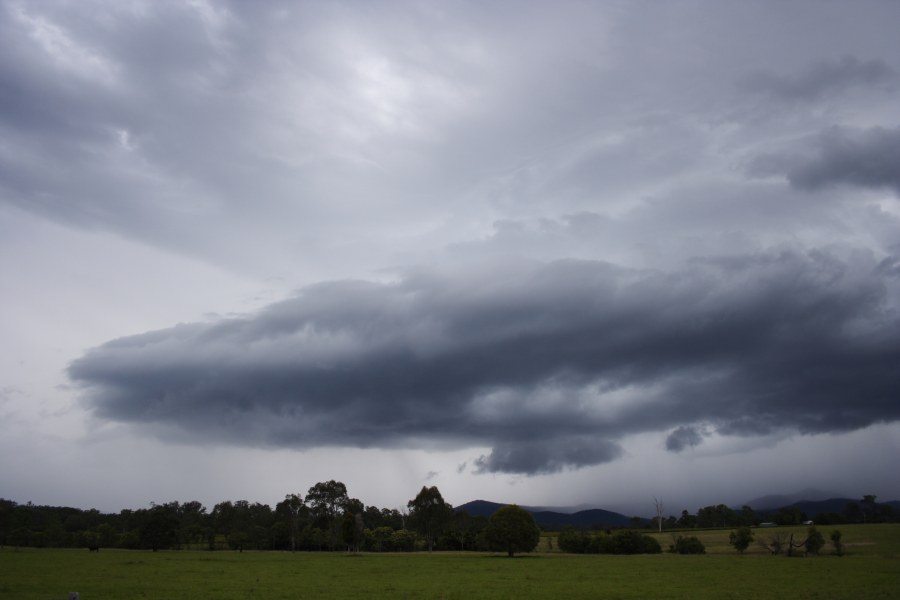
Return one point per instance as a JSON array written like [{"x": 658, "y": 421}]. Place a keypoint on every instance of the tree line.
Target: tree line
[
  {"x": 328, "y": 519},
  {"x": 325, "y": 519},
  {"x": 866, "y": 510}
]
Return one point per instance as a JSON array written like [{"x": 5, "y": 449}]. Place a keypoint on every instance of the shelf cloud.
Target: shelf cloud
[{"x": 549, "y": 364}]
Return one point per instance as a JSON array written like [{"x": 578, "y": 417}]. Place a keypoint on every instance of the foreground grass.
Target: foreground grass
[{"x": 870, "y": 571}]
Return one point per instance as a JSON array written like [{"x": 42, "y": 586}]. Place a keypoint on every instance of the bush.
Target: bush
[
  {"x": 836, "y": 542},
  {"x": 687, "y": 545},
  {"x": 649, "y": 545},
  {"x": 574, "y": 541},
  {"x": 741, "y": 538},
  {"x": 623, "y": 541},
  {"x": 403, "y": 540},
  {"x": 626, "y": 541},
  {"x": 814, "y": 541}
]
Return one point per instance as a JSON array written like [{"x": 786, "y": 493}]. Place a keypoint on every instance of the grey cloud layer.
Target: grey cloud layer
[
  {"x": 869, "y": 158},
  {"x": 550, "y": 364},
  {"x": 707, "y": 194},
  {"x": 822, "y": 78},
  {"x": 187, "y": 126},
  {"x": 865, "y": 158}
]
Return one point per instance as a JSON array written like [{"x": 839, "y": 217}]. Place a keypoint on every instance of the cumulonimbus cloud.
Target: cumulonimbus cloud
[{"x": 550, "y": 364}]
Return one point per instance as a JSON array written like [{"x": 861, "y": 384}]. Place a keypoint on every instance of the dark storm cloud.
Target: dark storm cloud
[
  {"x": 868, "y": 158},
  {"x": 547, "y": 456},
  {"x": 683, "y": 437},
  {"x": 547, "y": 363},
  {"x": 822, "y": 78}
]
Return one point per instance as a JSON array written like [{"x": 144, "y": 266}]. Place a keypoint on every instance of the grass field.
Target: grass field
[{"x": 870, "y": 570}]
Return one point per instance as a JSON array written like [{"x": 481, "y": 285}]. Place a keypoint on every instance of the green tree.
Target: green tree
[
  {"x": 741, "y": 538},
  {"x": 292, "y": 513},
  {"x": 853, "y": 513},
  {"x": 403, "y": 540},
  {"x": 159, "y": 529},
  {"x": 429, "y": 514},
  {"x": 716, "y": 516},
  {"x": 106, "y": 535},
  {"x": 463, "y": 529},
  {"x": 352, "y": 531},
  {"x": 814, "y": 541},
  {"x": 192, "y": 522},
  {"x": 327, "y": 501},
  {"x": 836, "y": 542},
  {"x": 687, "y": 520},
  {"x": 789, "y": 515},
  {"x": 381, "y": 539},
  {"x": 512, "y": 529},
  {"x": 239, "y": 533},
  {"x": 747, "y": 517}
]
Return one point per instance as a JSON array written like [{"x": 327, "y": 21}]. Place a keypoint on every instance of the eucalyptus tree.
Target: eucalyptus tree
[
  {"x": 327, "y": 501},
  {"x": 429, "y": 514}
]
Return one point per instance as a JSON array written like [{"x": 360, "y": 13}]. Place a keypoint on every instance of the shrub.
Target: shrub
[
  {"x": 741, "y": 538},
  {"x": 687, "y": 545},
  {"x": 649, "y": 545},
  {"x": 573, "y": 540},
  {"x": 623, "y": 541},
  {"x": 836, "y": 542},
  {"x": 814, "y": 541},
  {"x": 626, "y": 541}
]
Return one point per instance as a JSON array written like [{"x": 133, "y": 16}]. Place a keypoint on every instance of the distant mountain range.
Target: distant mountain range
[
  {"x": 811, "y": 508},
  {"x": 809, "y": 501},
  {"x": 779, "y": 501},
  {"x": 553, "y": 518}
]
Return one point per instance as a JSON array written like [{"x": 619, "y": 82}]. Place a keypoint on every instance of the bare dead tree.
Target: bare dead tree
[
  {"x": 657, "y": 502},
  {"x": 774, "y": 543},
  {"x": 780, "y": 542}
]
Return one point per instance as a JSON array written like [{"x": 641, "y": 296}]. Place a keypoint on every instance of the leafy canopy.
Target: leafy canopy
[{"x": 512, "y": 529}]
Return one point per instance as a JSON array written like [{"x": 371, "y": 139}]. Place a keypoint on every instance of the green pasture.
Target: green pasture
[{"x": 870, "y": 570}]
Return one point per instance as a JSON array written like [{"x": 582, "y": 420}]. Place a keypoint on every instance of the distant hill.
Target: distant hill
[
  {"x": 554, "y": 518},
  {"x": 836, "y": 505},
  {"x": 813, "y": 507},
  {"x": 479, "y": 508},
  {"x": 584, "y": 518},
  {"x": 778, "y": 501}
]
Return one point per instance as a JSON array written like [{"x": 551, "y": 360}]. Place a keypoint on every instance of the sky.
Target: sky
[{"x": 551, "y": 253}]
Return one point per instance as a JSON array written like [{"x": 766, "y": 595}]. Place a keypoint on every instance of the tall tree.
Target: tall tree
[
  {"x": 327, "y": 500},
  {"x": 429, "y": 514},
  {"x": 159, "y": 529},
  {"x": 292, "y": 512},
  {"x": 193, "y": 522},
  {"x": 352, "y": 530}
]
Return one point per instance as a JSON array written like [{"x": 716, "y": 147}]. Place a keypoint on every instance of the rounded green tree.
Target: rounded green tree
[
  {"x": 814, "y": 541},
  {"x": 512, "y": 529},
  {"x": 741, "y": 538}
]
